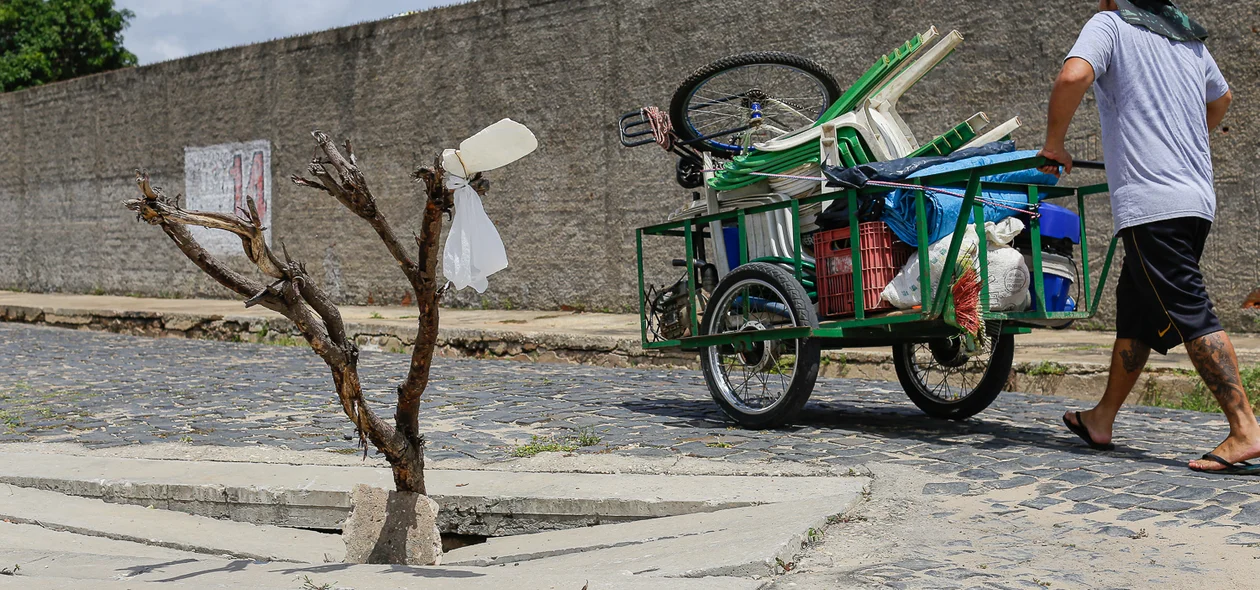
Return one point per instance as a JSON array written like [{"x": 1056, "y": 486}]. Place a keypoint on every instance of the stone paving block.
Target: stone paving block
[
  {"x": 1189, "y": 493},
  {"x": 1078, "y": 477},
  {"x": 1210, "y": 512},
  {"x": 1136, "y": 515},
  {"x": 950, "y": 488},
  {"x": 1041, "y": 503},
  {"x": 1231, "y": 498},
  {"x": 980, "y": 474},
  {"x": 1169, "y": 505},
  {"x": 1122, "y": 501},
  {"x": 1051, "y": 487},
  {"x": 1116, "y": 468},
  {"x": 1249, "y": 514},
  {"x": 1085, "y": 493},
  {"x": 1014, "y": 482},
  {"x": 1116, "y": 482},
  {"x": 1247, "y": 539},
  {"x": 1150, "y": 488},
  {"x": 1117, "y": 531},
  {"x": 1084, "y": 508}
]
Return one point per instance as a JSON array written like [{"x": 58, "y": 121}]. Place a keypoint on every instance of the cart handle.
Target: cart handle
[{"x": 1089, "y": 164}]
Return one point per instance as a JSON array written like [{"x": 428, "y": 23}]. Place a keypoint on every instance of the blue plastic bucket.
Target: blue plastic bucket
[
  {"x": 1060, "y": 274},
  {"x": 730, "y": 235}
]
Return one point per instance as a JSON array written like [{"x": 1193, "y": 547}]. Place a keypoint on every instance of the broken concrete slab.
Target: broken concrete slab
[
  {"x": 492, "y": 503},
  {"x": 750, "y": 541},
  {"x": 33, "y": 537},
  {"x": 161, "y": 528},
  {"x": 75, "y": 571},
  {"x": 387, "y": 526}
]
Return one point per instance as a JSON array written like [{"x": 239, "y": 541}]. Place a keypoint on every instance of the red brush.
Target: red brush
[{"x": 966, "y": 292}]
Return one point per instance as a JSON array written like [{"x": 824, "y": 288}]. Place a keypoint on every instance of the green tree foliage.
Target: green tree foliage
[{"x": 45, "y": 41}]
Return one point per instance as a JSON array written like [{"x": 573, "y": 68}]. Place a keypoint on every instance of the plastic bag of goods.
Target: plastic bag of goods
[{"x": 1008, "y": 273}]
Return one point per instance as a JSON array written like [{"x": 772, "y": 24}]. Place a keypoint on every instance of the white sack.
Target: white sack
[
  {"x": 1008, "y": 274},
  {"x": 474, "y": 250}
]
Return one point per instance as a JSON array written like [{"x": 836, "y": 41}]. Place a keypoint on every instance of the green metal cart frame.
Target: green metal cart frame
[{"x": 932, "y": 322}]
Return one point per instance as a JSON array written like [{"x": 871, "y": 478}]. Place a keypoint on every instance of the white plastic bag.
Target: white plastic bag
[
  {"x": 1008, "y": 274},
  {"x": 474, "y": 250},
  {"x": 903, "y": 292},
  {"x": 1009, "y": 280}
]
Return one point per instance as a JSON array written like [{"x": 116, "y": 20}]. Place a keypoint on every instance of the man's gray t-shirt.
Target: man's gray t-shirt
[{"x": 1152, "y": 99}]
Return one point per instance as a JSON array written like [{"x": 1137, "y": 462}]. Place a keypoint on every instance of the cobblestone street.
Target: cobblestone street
[{"x": 1012, "y": 475}]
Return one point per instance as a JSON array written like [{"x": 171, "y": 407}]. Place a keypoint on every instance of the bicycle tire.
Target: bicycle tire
[{"x": 678, "y": 108}]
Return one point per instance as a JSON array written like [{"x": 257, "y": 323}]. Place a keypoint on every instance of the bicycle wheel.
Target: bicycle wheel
[
  {"x": 748, "y": 98},
  {"x": 944, "y": 381},
  {"x": 762, "y": 385}
]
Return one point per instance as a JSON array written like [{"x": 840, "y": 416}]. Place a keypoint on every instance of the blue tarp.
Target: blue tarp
[{"x": 943, "y": 210}]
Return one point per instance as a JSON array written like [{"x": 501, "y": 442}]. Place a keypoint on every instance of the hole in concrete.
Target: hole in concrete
[{"x": 452, "y": 541}]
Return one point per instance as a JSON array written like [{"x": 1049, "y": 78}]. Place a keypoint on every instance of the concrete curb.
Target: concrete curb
[
  {"x": 491, "y": 503},
  {"x": 1082, "y": 380},
  {"x": 161, "y": 528},
  {"x": 546, "y": 347}
]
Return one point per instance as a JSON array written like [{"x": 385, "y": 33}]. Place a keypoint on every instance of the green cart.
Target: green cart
[
  {"x": 753, "y": 134},
  {"x": 760, "y": 337}
]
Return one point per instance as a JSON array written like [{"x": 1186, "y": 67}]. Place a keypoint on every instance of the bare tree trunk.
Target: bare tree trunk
[{"x": 296, "y": 296}]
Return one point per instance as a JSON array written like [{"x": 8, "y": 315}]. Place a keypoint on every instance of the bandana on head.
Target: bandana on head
[{"x": 1162, "y": 17}]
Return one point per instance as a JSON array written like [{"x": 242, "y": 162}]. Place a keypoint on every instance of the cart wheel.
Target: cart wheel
[
  {"x": 775, "y": 92},
  {"x": 765, "y": 384},
  {"x": 945, "y": 382}
]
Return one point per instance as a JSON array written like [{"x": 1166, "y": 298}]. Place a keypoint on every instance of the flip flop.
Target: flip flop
[
  {"x": 1079, "y": 430},
  {"x": 1239, "y": 468}
]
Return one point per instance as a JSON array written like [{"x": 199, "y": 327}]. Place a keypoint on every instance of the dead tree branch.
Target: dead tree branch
[
  {"x": 295, "y": 295},
  {"x": 340, "y": 176}
]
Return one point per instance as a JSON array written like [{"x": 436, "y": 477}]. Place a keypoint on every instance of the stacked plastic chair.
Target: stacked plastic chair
[
  {"x": 862, "y": 126},
  {"x": 864, "y": 121}
]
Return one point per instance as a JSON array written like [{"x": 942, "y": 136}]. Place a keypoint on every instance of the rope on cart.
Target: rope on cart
[
  {"x": 1011, "y": 205},
  {"x": 662, "y": 130}
]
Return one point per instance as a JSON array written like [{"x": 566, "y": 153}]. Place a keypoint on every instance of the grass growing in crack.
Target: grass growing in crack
[
  {"x": 376, "y": 316},
  {"x": 542, "y": 444},
  {"x": 10, "y": 420},
  {"x": 309, "y": 584},
  {"x": 1048, "y": 369},
  {"x": 1200, "y": 399},
  {"x": 586, "y": 437},
  {"x": 285, "y": 340},
  {"x": 845, "y": 518}
]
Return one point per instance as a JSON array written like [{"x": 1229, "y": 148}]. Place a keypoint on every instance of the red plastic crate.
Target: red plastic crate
[{"x": 882, "y": 256}]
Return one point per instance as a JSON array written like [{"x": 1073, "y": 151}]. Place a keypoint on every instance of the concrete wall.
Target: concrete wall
[{"x": 404, "y": 89}]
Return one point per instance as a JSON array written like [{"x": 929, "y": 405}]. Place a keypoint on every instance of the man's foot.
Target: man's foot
[
  {"x": 1234, "y": 450},
  {"x": 1097, "y": 430}
]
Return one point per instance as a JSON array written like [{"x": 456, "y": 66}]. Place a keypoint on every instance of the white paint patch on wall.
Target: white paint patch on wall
[{"x": 219, "y": 178}]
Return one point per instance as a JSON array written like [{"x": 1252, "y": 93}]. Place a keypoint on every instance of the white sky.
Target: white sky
[{"x": 170, "y": 29}]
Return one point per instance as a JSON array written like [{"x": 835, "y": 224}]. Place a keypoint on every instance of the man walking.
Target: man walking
[{"x": 1159, "y": 93}]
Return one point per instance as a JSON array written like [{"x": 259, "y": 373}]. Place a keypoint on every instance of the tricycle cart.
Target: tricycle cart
[{"x": 754, "y": 300}]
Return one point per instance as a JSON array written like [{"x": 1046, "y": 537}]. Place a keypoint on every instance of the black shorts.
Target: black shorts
[{"x": 1161, "y": 299}]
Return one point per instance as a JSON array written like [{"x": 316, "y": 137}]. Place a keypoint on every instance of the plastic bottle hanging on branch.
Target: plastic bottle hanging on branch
[{"x": 474, "y": 250}]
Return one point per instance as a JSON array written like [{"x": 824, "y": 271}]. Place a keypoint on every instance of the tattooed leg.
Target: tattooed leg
[
  {"x": 1128, "y": 358},
  {"x": 1214, "y": 357}
]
